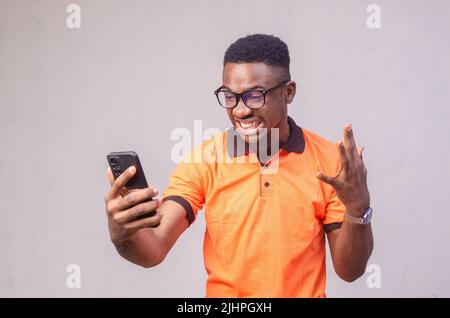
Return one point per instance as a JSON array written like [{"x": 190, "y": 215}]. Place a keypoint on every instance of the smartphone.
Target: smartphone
[{"x": 121, "y": 161}]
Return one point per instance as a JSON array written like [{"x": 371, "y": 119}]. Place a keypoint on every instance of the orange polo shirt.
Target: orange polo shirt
[{"x": 265, "y": 224}]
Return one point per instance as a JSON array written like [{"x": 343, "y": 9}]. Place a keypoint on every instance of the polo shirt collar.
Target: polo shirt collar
[{"x": 295, "y": 142}]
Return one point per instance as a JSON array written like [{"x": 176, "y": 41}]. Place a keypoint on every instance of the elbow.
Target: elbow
[
  {"x": 350, "y": 277},
  {"x": 154, "y": 261},
  {"x": 151, "y": 264}
]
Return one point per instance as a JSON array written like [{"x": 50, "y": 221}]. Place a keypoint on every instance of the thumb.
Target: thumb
[{"x": 324, "y": 178}]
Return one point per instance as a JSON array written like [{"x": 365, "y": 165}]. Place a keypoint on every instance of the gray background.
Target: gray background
[{"x": 136, "y": 70}]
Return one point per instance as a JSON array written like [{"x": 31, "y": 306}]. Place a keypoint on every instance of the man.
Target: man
[{"x": 265, "y": 232}]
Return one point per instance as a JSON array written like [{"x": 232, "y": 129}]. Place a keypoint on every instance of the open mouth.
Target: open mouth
[{"x": 248, "y": 127}]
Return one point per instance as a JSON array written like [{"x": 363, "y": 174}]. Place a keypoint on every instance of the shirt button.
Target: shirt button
[{"x": 267, "y": 184}]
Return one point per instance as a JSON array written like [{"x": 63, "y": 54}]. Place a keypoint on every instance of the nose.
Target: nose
[{"x": 241, "y": 110}]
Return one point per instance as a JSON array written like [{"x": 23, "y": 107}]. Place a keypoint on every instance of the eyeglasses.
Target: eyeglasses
[{"x": 254, "y": 98}]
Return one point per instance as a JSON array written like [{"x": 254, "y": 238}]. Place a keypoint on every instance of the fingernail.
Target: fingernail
[
  {"x": 132, "y": 169},
  {"x": 155, "y": 191}
]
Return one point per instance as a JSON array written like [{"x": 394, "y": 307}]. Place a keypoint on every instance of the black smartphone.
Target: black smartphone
[{"x": 121, "y": 161}]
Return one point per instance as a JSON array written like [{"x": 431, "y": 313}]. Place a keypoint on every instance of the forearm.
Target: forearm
[
  {"x": 144, "y": 248},
  {"x": 353, "y": 248}
]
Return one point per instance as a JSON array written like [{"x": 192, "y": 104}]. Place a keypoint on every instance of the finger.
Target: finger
[
  {"x": 133, "y": 213},
  {"x": 349, "y": 141},
  {"x": 360, "y": 152},
  {"x": 327, "y": 179},
  {"x": 343, "y": 154},
  {"x": 124, "y": 191},
  {"x": 110, "y": 176},
  {"x": 364, "y": 169},
  {"x": 121, "y": 181},
  {"x": 118, "y": 204},
  {"x": 135, "y": 197},
  {"x": 143, "y": 223}
]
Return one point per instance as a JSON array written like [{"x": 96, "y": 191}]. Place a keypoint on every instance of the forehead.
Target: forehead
[{"x": 242, "y": 76}]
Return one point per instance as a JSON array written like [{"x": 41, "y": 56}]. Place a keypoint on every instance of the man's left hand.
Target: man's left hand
[{"x": 350, "y": 183}]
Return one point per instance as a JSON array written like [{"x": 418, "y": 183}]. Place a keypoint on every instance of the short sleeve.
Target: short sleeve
[
  {"x": 187, "y": 186},
  {"x": 334, "y": 213},
  {"x": 334, "y": 208}
]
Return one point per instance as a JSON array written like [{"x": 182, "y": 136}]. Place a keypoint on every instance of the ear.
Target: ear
[{"x": 291, "y": 88}]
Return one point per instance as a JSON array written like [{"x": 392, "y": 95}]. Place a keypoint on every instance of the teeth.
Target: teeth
[{"x": 248, "y": 125}]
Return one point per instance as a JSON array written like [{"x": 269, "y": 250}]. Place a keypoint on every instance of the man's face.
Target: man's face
[{"x": 249, "y": 123}]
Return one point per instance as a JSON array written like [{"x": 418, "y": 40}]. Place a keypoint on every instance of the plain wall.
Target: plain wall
[{"x": 136, "y": 70}]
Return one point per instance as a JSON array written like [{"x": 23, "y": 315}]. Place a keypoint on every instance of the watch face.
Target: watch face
[{"x": 367, "y": 216}]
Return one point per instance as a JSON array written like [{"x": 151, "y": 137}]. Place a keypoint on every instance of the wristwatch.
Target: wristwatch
[{"x": 364, "y": 220}]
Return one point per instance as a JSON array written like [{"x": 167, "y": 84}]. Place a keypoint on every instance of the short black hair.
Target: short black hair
[{"x": 257, "y": 48}]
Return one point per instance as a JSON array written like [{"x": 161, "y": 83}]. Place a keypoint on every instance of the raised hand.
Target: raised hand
[
  {"x": 129, "y": 211},
  {"x": 350, "y": 183}
]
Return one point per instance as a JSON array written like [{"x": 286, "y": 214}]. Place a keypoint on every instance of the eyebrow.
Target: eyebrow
[{"x": 248, "y": 89}]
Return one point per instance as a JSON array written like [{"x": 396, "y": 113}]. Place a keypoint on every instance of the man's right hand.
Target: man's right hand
[{"x": 125, "y": 207}]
